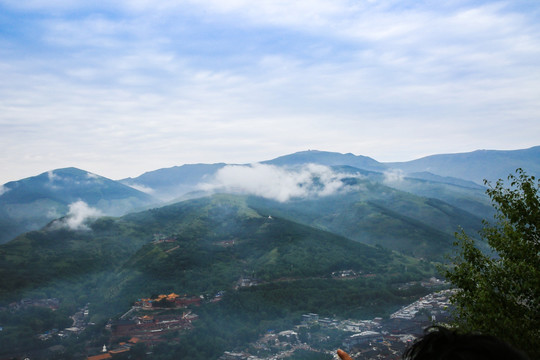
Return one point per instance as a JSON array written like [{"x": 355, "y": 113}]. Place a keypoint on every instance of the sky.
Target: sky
[{"x": 122, "y": 87}]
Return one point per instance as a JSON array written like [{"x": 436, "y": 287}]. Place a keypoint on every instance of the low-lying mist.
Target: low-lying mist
[
  {"x": 278, "y": 183},
  {"x": 79, "y": 212}
]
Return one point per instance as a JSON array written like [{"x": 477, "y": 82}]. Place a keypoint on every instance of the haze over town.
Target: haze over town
[{"x": 120, "y": 88}]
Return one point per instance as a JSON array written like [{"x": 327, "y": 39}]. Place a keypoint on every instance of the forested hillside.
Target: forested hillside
[
  {"x": 29, "y": 204},
  {"x": 203, "y": 247}
]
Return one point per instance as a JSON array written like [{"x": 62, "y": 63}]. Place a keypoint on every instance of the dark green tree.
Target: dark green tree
[{"x": 498, "y": 293}]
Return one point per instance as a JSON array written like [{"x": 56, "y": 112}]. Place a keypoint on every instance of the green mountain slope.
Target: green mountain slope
[
  {"x": 465, "y": 195},
  {"x": 377, "y": 214},
  {"x": 201, "y": 247},
  {"x": 30, "y": 203},
  {"x": 215, "y": 241}
]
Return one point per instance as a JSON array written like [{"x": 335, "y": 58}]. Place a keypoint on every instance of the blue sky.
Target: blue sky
[{"x": 120, "y": 88}]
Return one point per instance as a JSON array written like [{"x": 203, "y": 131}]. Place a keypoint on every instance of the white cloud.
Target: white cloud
[
  {"x": 145, "y": 85},
  {"x": 144, "y": 189},
  {"x": 3, "y": 189},
  {"x": 278, "y": 183},
  {"x": 393, "y": 176},
  {"x": 52, "y": 176},
  {"x": 78, "y": 215},
  {"x": 53, "y": 213}
]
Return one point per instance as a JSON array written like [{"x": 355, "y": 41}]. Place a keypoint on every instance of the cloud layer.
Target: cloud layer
[
  {"x": 77, "y": 217},
  {"x": 279, "y": 183},
  {"x": 124, "y": 87},
  {"x": 3, "y": 189},
  {"x": 393, "y": 176}
]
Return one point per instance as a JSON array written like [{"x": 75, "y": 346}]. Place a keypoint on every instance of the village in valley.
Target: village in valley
[
  {"x": 151, "y": 321},
  {"x": 376, "y": 338},
  {"x": 167, "y": 317},
  {"x": 163, "y": 317}
]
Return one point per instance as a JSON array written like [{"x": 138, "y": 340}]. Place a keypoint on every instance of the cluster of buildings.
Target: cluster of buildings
[
  {"x": 168, "y": 301},
  {"x": 160, "y": 238},
  {"x": 434, "y": 303},
  {"x": 246, "y": 281},
  {"x": 121, "y": 349},
  {"x": 80, "y": 318},
  {"x": 286, "y": 341},
  {"x": 147, "y": 329},
  {"x": 80, "y": 322},
  {"x": 52, "y": 304},
  {"x": 148, "y": 320},
  {"x": 389, "y": 338},
  {"x": 345, "y": 274},
  {"x": 150, "y": 328},
  {"x": 377, "y": 338}
]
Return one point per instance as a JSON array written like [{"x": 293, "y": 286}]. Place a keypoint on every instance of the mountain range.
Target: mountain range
[
  {"x": 463, "y": 169},
  {"x": 201, "y": 247},
  {"x": 456, "y": 179},
  {"x": 288, "y": 224}
]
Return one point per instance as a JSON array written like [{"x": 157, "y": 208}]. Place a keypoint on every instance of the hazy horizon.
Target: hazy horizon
[{"x": 239, "y": 165}]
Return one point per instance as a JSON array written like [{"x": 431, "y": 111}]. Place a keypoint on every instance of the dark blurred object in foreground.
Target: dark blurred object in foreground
[{"x": 440, "y": 343}]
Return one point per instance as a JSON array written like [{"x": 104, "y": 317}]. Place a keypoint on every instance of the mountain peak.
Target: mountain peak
[
  {"x": 30, "y": 203},
  {"x": 327, "y": 158},
  {"x": 476, "y": 165}
]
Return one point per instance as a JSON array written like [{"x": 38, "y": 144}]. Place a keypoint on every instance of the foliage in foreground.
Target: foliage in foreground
[{"x": 499, "y": 293}]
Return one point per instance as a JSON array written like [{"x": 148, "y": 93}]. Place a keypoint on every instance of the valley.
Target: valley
[
  {"x": 204, "y": 247},
  {"x": 229, "y": 267}
]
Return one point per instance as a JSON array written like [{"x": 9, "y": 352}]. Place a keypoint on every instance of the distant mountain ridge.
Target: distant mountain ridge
[
  {"x": 30, "y": 203},
  {"x": 67, "y": 185},
  {"x": 172, "y": 182},
  {"x": 477, "y": 165},
  {"x": 456, "y": 169},
  {"x": 457, "y": 179},
  {"x": 328, "y": 159}
]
